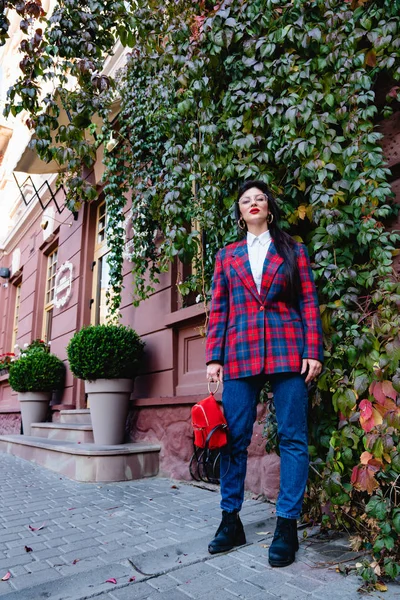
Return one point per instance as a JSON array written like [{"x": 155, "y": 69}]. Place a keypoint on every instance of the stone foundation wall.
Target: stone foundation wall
[
  {"x": 171, "y": 427},
  {"x": 10, "y": 423}
]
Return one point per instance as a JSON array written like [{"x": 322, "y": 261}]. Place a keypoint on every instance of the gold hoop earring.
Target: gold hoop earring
[
  {"x": 242, "y": 224},
  {"x": 270, "y": 218}
]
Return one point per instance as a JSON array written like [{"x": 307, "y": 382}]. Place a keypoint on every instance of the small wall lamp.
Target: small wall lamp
[{"x": 45, "y": 222}]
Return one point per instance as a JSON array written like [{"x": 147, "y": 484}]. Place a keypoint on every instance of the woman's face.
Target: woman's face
[{"x": 253, "y": 206}]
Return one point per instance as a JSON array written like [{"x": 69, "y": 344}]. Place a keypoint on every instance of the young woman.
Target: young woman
[{"x": 264, "y": 324}]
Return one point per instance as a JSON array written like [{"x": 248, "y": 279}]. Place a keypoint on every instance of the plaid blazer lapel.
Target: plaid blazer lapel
[
  {"x": 271, "y": 264},
  {"x": 241, "y": 264}
]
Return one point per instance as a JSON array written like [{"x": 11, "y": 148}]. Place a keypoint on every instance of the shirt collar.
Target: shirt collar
[{"x": 264, "y": 238}]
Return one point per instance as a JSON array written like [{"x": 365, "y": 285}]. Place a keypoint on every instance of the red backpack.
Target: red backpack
[{"x": 209, "y": 424}]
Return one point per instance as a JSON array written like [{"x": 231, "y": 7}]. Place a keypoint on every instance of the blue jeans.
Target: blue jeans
[{"x": 239, "y": 399}]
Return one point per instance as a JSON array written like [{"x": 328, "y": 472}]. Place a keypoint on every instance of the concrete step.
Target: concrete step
[
  {"x": 73, "y": 416},
  {"x": 70, "y": 432},
  {"x": 86, "y": 462}
]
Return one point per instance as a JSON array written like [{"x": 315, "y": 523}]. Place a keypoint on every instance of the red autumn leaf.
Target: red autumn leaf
[
  {"x": 376, "y": 390},
  {"x": 394, "y": 91},
  {"x": 36, "y": 528},
  {"x": 28, "y": 549},
  {"x": 369, "y": 416},
  {"x": 132, "y": 579},
  {"x": 6, "y": 576},
  {"x": 366, "y": 457},
  {"x": 111, "y": 580},
  {"x": 387, "y": 406},
  {"x": 76, "y": 560},
  {"x": 389, "y": 390},
  {"x": 366, "y": 409},
  {"x": 363, "y": 475},
  {"x": 362, "y": 478},
  {"x": 381, "y": 390}
]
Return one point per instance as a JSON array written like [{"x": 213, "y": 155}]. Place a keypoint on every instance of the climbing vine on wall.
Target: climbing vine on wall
[{"x": 214, "y": 94}]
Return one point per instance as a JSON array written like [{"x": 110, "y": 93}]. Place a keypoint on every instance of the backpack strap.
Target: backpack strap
[{"x": 222, "y": 426}]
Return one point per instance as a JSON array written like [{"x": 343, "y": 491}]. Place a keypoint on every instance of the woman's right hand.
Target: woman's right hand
[{"x": 215, "y": 372}]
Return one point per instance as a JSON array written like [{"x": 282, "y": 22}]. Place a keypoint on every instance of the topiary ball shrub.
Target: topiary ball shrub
[
  {"x": 105, "y": 352},
  {"x": 37, "y": 371}
]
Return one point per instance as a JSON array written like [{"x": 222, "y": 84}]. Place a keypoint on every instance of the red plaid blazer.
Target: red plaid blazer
[{"x": 250, "y": 332}]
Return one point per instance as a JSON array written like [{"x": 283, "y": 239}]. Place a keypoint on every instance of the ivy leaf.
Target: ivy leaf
[
  {"x": 370, "y": 58},
  {"x": 361, "y": 383},
  {"x": 369, "y": 416},
  {"x": 344, "y": 401},
  {"x": 363, "y": 478},
  {"x": 377, "y": 508}
]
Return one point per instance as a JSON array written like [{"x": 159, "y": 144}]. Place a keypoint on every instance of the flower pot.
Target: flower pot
[
  {"x": 34, "y": 407},
  {"x": 109, "y": 404}
]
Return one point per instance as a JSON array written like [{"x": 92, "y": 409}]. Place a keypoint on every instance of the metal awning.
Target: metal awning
[{"x": 31, "y": 163}]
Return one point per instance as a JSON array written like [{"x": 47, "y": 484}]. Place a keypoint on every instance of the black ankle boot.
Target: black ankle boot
[
  {"x": 283, "y": 549},
  {"x": 230, "y": 533}
]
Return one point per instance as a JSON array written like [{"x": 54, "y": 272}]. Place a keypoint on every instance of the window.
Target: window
[
  {"x": 101, "y": 271},
  {"x": 49, "y": 295},
  {"x": 16, "y": 316}
]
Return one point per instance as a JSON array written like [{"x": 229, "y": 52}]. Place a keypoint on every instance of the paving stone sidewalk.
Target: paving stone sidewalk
[{"x": 62, "y": 540}]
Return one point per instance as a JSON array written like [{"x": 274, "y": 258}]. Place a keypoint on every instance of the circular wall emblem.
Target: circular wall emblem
[{"x": 63, "y": 285}]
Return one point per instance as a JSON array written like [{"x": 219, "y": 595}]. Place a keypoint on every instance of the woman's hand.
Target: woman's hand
[
  {"x": 215, "y": 372},
  {"x": 314, "y": 368}
]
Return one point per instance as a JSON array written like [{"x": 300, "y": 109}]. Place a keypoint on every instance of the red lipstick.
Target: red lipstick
[{"x": 254, "y": 211}]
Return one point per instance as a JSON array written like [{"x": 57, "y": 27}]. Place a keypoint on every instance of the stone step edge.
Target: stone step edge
[
  {"x": 83, "y": 449},
  {"x": 75, "y": 411},
  {"x": 77, "y": 426}
]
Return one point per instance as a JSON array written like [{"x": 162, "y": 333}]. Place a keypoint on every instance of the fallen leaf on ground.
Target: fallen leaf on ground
[
  {"x": 28, "y": 549},
  {"x": 36, "y": 528},
  {"x": 264, "y": 545},
  {"x": 132, "y": 579},
  {"x": 111, "y": 580},
  {"x": 6, "y": 576},
  {"x": 174, "y": 487},
  {"x": 381, "y": 587},
  {"x": 263, "y": 532},
  {"x": 76, "y": 560}
]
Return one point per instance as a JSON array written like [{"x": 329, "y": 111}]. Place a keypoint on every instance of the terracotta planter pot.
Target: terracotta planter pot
[
  {"x": 109, "y": 404},
  {"x": 34, "y": 407}
]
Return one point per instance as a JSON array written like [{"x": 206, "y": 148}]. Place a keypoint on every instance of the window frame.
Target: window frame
[
  {"x": 100, "y": 252},
  {"x": 17, "y": 305},
  {"x": 51, "y": 270}
]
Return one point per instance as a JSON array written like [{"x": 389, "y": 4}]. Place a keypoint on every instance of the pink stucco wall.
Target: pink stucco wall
[{"x": 10, "y": 423}]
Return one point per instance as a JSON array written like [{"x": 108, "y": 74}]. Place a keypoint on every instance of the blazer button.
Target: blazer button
[{"x": 262, "y": 308}]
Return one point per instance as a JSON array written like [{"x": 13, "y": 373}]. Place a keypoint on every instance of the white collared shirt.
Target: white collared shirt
[{"x": 258, "y": 248}]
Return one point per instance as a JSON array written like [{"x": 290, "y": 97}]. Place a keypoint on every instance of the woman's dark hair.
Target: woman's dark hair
[{"x": 284, "y": 243}]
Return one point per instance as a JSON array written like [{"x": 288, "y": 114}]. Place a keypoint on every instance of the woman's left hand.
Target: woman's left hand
[{"x": 314, "y": 368}]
